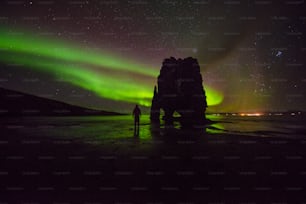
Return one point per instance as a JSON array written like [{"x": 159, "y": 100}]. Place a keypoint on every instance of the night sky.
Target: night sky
[{"x": 107, "y": 54}]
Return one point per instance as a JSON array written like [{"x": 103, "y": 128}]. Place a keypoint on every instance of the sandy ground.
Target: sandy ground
[{"x": 172, "y": 166}]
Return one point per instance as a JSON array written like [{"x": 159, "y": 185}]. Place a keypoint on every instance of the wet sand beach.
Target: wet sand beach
[{"x": 98, "y": 159}]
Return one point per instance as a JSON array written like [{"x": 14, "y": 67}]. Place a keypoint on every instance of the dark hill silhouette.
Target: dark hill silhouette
[{"x": 14, "y": 103}]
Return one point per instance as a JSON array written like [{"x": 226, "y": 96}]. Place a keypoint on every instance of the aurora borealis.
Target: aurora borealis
[
  {"x": 108, "y": 54},
  {"x": 59, "y": 51},
  {"x": 74, "y": 66}
]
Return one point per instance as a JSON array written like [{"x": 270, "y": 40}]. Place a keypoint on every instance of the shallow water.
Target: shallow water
[
  {"x": 264, "y": 126},
  {"x": 121, "y": 127}
]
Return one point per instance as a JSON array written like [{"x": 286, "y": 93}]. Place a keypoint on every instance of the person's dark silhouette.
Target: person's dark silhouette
[{"x": 136, "y": 114}]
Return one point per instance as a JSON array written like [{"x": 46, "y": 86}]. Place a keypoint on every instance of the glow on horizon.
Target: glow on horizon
[
  {"x": 76, "y": 66},
  {"x": 251, "y": 114}
]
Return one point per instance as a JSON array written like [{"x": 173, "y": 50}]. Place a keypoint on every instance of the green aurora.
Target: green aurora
[{"x": 85, "y": 69}]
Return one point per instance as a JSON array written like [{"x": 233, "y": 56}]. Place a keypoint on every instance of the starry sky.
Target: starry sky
[{"x": 107, "y": 54}]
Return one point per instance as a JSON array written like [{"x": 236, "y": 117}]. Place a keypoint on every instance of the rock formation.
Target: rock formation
[{"x": 179, "y": 89}]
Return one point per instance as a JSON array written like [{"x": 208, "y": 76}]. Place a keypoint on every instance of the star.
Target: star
[
  {"x": 99, "y": 43},
  {"x": 278, "y": 54}
]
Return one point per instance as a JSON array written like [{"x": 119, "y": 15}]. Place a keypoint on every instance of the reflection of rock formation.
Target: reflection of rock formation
[
  {"x": 180, "y": 89},
  {"x": 155, "y": 107}
]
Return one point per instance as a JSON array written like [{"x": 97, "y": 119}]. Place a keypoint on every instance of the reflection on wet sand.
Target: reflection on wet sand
[{"x": 102, "y": 155}]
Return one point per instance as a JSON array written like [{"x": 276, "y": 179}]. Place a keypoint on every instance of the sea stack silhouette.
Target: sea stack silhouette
[{"x": 179, "y": 89}]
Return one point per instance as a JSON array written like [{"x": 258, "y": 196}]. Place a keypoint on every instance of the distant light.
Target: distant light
[
  {"x": 251, "y": 114},
  {"x": 278, "y": 54}
]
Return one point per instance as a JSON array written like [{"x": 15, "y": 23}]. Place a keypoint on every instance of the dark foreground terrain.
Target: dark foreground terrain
[{"x": 99, "y": 160}]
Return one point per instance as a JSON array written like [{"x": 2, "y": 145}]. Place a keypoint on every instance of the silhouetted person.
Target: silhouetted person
[{"x": 136, "y": 114}]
